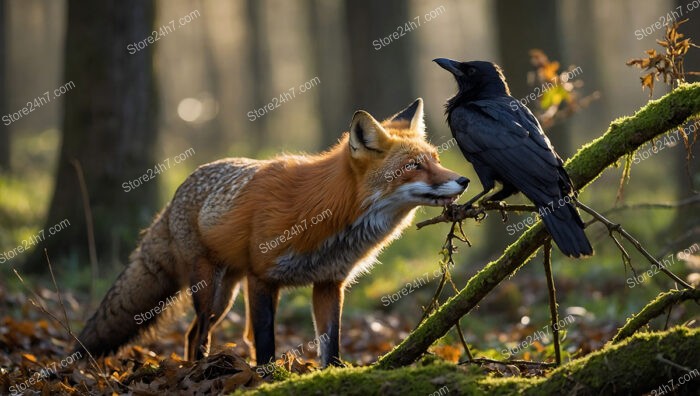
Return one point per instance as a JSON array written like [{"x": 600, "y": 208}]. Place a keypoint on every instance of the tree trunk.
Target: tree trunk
[
  {"x": 4, "y": 129},
  {"x": 260, "y": 64},
  {"x": 524, "y": 25},
  {"x": 108, "y": 128},
  {"x": 381, "y": 79},
  {"x": 330, "y": 65}
]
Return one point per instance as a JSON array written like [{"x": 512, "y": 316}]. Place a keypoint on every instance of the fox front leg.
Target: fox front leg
[
  {"x": 328, "y": 306},
  {"x": 262, "y": 299}
]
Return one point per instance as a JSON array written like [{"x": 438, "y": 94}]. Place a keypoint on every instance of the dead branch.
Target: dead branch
[{"x": 613, "y": 227}]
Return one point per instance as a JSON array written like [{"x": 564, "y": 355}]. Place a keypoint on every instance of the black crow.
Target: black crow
[{"x": 505, "y": 143}]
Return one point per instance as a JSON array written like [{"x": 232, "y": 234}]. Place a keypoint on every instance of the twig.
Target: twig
[
  {"x": 464, "y": 342},
  {"x": 690, "y": 201},
  {"x": 448, "y": 249},
  {"x": 58, "y": 292},
  {"x": 671, "y": 246},
  {"x": 661, "y": 358},
  {"x": 507, "y": 362},
  {"x": 88, "y": 224},
  {"x": 552, "y": 298},
  {"x": 613, "y": 227},
  {"x": 66, "y": 326},
  {"x": 457, "y": 213},
  {"x": 668, "y": 317}
]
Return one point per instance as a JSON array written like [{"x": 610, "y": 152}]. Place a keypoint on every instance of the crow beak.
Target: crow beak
[{"x": 449, "y": 65}]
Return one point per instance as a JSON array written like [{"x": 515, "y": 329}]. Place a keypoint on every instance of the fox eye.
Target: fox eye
[{"x": 413, "y": 165}]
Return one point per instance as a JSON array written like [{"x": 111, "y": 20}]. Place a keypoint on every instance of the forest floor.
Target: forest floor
[{"x": 35, "y": 357}]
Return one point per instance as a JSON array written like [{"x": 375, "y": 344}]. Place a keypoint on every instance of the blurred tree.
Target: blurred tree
[
  {"x": 381, "y": 80},
  {"x": 259, "y": 57},
  {"x": 581, "y": 50},
  {"x": 108, "y": 128},
  {"x": 216, "y": 130},
  {"x": 4, "y": 129},
  {"x": 523, "y": 25},
  {"x": 329, "y": 53}
]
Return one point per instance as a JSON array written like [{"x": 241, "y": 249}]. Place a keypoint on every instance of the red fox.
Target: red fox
[{"x": 241, "y": 219}]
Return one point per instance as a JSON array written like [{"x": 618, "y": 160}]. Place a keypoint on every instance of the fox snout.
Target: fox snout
[
  {"x": 437, "y": 192},
  {"x": 463, "y": 181},
  {"x": 447, "y": 192}
]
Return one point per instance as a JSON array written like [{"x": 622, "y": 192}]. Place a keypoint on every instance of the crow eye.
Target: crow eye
[{"x": 471, "y": 71}]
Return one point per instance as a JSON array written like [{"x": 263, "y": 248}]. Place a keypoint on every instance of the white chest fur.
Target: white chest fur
[{"x": 347, "y": 254}]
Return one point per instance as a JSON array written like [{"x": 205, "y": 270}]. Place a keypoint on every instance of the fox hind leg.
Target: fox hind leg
[{"x": 211, "y": 303}]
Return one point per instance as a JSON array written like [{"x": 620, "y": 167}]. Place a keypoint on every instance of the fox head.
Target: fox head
[{"x": 396, "y": 164}]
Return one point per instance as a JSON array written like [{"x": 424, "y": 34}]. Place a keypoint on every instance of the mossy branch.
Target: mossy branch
[
  {"x": 654, "y": 309},
  {"x": 630, "y": 367},
  {"x": 622, "y": 138}
]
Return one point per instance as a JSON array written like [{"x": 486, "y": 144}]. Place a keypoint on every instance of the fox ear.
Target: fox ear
[
  {"x": 366, "y": 135},
  {"x": 414, "y": 115}
]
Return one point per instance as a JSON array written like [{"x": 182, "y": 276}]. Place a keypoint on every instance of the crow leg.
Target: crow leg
[
  {"x": 503, "y": 193},
  {"x": 475, "y": 198}
]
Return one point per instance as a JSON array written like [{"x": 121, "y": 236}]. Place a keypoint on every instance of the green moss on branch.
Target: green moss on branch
[
  {"x": 654, "y": 309},
  {"x": 630, "y": 367}
]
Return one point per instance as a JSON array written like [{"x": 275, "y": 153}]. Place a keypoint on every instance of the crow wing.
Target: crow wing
[{"x": 503, "y": 135}]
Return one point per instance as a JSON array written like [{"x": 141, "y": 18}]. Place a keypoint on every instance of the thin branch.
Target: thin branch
[
  {"x": 37, "y": 304},
  {"x": 690, "y": 201},
  {"x": 464, "y": 343},
  {"x": 457, "y": 213},
  {"x": 660, "y": 357},
  {"x": 509, "y": 362},
  {"x": 88, "y": 224},
  {"x": 58, "y": 292},
  {"x": 552, "y": 298},
  {"x": 448, "y": 249},
  {"x": 618, "y": 228}
]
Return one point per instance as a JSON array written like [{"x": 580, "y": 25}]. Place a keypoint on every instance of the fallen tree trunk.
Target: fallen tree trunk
[
  {"x": 622, "y": 138},
  {"x": 630, "y": 367}
]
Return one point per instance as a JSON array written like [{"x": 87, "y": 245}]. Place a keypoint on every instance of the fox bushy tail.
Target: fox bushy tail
[{"x": 129, "y": 308}]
